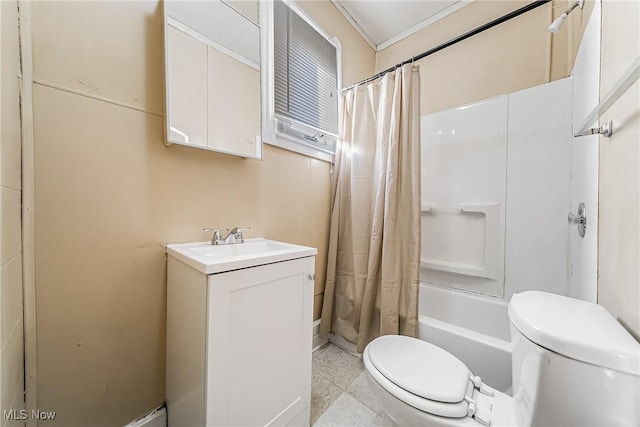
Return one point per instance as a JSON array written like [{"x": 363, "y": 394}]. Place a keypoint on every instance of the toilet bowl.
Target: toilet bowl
[{"x": 573, "y": 364}]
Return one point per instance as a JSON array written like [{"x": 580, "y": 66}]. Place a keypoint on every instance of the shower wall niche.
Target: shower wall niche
[{"x": 496, "y": 182}]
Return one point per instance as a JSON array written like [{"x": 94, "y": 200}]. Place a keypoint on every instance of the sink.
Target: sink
[
  {"x": 210, "y": 259},
  {"x": 242, "y": 249}
]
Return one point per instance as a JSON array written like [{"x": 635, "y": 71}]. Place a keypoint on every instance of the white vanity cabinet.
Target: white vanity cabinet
[{"x": 239, "y": 341}]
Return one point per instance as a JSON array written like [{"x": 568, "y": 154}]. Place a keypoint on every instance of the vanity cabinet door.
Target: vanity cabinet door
[{"x": 259, "y": 325}]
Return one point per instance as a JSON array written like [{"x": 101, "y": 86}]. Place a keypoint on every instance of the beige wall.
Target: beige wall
[
  {"x": 514, "y": 55},
  {"x": 11, "y": 313},
  {"x": 109, "y": 194},
  {"x": 619, "y": 222}
]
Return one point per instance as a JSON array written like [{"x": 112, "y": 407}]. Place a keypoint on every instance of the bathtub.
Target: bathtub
[{"x": 472, "y": 327}]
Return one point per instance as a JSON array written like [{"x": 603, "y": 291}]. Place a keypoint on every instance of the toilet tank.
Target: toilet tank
[{"x": 573, "y": 363}]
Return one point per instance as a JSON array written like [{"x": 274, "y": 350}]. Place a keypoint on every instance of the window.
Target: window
[{"x": 301, "y": 76}]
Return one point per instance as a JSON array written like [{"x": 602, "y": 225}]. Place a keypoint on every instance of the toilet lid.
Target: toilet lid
[{"x": 420, "y": 368}]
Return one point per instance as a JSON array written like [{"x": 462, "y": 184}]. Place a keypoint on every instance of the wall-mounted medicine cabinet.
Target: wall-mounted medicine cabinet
[{"x": 212, "y": 76}]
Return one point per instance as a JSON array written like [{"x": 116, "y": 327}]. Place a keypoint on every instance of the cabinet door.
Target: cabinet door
[
  {"x": 186, "y": 88},
  {"x": 259, "y": 347}
]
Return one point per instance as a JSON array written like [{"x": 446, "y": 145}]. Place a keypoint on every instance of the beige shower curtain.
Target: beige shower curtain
[{"x": 374, "y": 244}]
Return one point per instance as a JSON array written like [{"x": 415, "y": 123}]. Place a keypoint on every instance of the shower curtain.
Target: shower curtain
[{"x": 374, "y": 243}]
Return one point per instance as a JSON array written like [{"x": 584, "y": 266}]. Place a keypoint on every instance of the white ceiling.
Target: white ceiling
[{"x": 384, "y": 22}]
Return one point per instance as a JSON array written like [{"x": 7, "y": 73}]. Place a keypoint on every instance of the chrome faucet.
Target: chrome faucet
[{"x": 234, "y": 235}]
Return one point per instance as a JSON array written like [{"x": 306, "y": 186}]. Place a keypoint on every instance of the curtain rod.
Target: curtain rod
[{"x": 455, "y": 40}]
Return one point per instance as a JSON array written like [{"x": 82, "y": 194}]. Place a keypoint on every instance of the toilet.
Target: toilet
[{"x": 573, "y": 364}]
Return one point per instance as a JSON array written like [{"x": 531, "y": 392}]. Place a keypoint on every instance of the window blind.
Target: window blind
[{"x": 305, "y": 68}]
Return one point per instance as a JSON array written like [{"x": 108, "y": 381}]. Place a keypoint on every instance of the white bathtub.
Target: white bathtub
[{"x": 474, "y": 328}]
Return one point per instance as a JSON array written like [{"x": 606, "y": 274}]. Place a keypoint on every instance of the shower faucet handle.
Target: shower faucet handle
[
  {"x": 580, "y": 219},
  {"x": 577, "y": 219}
]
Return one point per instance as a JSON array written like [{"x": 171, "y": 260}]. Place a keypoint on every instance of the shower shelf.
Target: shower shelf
[
  {"x": 625, "y": 82},
  {"x": 455, "y": 267},
  {"x": 468, "y": 209},
  {"x": 491, "y": 252}
]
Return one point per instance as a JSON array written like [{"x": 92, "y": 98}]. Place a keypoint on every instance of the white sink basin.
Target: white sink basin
[{"x": 209, "y": 259}]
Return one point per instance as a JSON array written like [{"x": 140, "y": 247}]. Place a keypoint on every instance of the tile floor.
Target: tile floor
[{"x": 340, "y": 393}]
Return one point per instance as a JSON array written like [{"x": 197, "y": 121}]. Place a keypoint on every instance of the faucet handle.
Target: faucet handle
[
  {"x": 240, "y": 235},
  {"x": 216, "y": 238}
]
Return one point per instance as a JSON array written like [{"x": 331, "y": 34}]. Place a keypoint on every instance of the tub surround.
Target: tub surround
[{"x": 487, "y": 226}]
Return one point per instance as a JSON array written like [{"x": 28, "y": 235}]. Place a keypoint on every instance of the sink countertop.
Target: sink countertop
[{"x": 210, "y": 259}]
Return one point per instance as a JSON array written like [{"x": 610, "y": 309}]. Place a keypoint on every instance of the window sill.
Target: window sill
[{"x": 301, "y": 148}]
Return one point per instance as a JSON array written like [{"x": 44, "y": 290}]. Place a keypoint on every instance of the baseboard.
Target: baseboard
[
  {"x": 317, "y": 341},
  {"x": 155, "y": 418},
  {"x": 344, "y": 344},
  {"x": 334, "y": 339}
]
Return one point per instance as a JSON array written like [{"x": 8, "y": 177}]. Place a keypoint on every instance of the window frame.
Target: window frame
[{"x": 270, "y": 133}]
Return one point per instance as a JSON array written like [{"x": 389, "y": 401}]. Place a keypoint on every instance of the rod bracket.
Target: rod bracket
[{"x": 605, "y": 130}]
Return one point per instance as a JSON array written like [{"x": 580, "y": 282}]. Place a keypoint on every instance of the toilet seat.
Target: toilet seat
[
  {"x": 427, "y": 378},
  {"x": 420, "y": 368}
]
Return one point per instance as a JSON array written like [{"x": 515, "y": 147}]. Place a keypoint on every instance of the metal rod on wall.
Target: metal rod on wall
[
  {"x": 455, "y": 40},
  {"x": 619, "y": 88}
]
